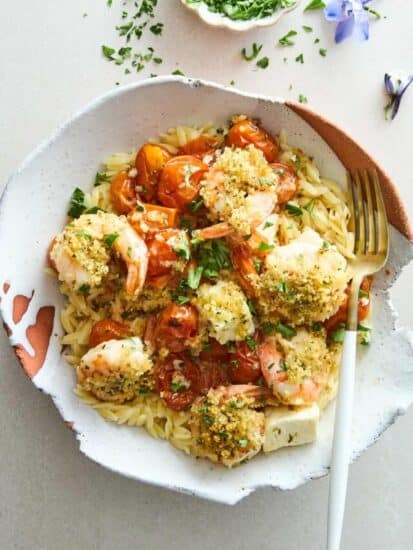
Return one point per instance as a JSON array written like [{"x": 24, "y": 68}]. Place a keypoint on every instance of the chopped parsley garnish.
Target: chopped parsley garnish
[
  {"x": 325, "y": 246},
  {"x": 110, "y": 238},
  {"x": 251, "y": 307},
  {"x": 267, "y": 225},
  {"x": 196, "y": 204},
  {"x": 306, "y": 28},
  {"x": 251, "y": 343},
  {"x": 84, "y": 289},
  {"x": 77, "y": 203},
  {"x": 302, "y": 98},
  {"x": 254, "y": 53},
  {"x": 84, "y": 234},
  {"x": 184, "y": 251},
  {"x": 144, "y": 391},
  {"x": 315, "y": 5},
  {"x": 194, "y": 277},
  {"x": 157, "y": 28},
  {"x": 108, "y": 52},
  {"x": 181, "y": 300},
  {"x": 293, "y": 210},
  {"x": 243, "y": 443},
  {"x": 213, "y": 256},
  {"x": 207, "y": 346},
  {"x": 322, "y": 52},
  {"x": 363, "y": 293},
  {"x": 263, "y": 247},
  {"x": 100, "y": 178},
  {"x": 185, "y": 224},
  {"x": 234, "y": 362},
  {"x": 257, "y": 264},
  {"x": 263, "y": 63},
  {"x": 363, "y": 328},
  {"x": 177, "y": 72},
  {"x": 283, "y": 365},
  {"x": 177, "y": 387},
  {"x": 338, "y": 334},
  {"x": 310, "y": 206},
  {"x": 316, "y": 40},
  {"x": 316, "y": 327},
  {"x": 245, "y": 10},
  {"x": 265, "y": 181},
  {"x": 282, "y": 287},
  {"x": 285, "y": 330},
  {"x": 286, "y": 39},
  {"x": 300, "y": 58}
]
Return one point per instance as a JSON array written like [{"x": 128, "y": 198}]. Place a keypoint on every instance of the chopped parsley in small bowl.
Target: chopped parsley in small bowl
[{"x": 240, "y": 15}]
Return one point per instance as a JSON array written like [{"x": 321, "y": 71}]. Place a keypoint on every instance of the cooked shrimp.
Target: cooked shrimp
[
  {"x": 298, "y": 376},
  {"x": 116, "y": 370},
  {"x": 82, "y": 251},
  {"x": 225, "y": 427},
  {"x": 240, "y": 189}
]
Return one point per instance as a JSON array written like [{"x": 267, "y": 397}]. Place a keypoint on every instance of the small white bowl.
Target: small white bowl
[
  {"x": 218, "y": 20},
  {"x": 33, "y": 210}
]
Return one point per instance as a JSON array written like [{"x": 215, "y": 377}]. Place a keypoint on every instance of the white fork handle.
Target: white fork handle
[{"x": 342, "y": 442}]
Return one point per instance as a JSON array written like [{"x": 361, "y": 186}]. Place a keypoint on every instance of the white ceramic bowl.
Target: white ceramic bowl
[
  {"x": 33, "y": 210},
  {"x": 218, "y": 20}
]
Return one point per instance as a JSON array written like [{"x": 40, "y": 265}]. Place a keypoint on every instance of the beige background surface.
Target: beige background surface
[{"x": 52, "y": 497}]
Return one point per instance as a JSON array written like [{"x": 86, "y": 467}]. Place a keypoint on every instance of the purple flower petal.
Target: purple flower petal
[
  {"x": 361, "y": 27},
  {"x": 344, "y": 29},
  {"x": 334, "y": 10},
  {"x": 406, "y": 84},
  {"x": 388, "y": 84}
]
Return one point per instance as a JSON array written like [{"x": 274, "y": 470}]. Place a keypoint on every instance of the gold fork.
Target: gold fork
[{"x": 371, "y": 248}]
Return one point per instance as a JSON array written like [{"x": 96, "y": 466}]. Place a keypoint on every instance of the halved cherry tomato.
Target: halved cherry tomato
[
  {"x": 214, "y": 352},
  {"x": 149, "y": 162},
  {"x": 162, "y": 248},
  {"x": 150, "y": 218},
  {"x": 179, "y": 181},
  {"x": 123, "y": 193},
  {"x": 244, "y": 365},
  {"x": 341, "y": 315},
  {"x": 107, "y": 330},
  {"x": 175, "y": 325},
  {"x": 177, "y": 381},
  {"x": 245, "y": 132},
  {"x": 287, "y": 182},
  {"x": 199, "y": 146}
]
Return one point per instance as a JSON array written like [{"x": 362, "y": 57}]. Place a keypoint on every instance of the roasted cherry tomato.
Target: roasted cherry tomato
[
  {"x": 175, "y": 325},
  {"x": 214, "y": 352},
  {"x": 287, "y": 182},
  {"x": 150, "y": 160},
  {"x": 199, "y": 146},
  {"x": 363, "y": 307},
  {"x": 107, "y": 330},
  {"x": 179, "y": 181},
  {"x": 244, "y": 366},
  {"x": 164, "y": 249},
  {"x": 123, "y": 193},
  {"x": 213, "y": 375},
  {"x": 177, "y": 381},
  {"x": 245, "y": 132},
  {"x": 150, "y": 218}
]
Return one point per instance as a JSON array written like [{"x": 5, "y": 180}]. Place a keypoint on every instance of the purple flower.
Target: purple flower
[
  {"x": 396, "y": 84},
  {"x": 352, "y": 17}
]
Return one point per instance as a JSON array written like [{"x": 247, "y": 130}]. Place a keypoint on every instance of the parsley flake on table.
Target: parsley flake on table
[
  {"x": 302, "y": 98},
  {"x": 254, "y": 52},
  {"x": 286, "y": 39},
  {"x": 263, "y": 63},
  {"x": 322, "y": 52},
  {"x": 300, "y": 58},
  {"x": 315, "y": 5}
]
